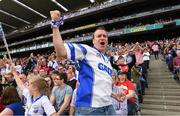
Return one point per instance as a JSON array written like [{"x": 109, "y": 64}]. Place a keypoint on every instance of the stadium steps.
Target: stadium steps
[{"x": 163, "y": 95}]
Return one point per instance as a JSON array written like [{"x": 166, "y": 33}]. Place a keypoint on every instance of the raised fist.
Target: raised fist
[{"x": 55, "y": 15}]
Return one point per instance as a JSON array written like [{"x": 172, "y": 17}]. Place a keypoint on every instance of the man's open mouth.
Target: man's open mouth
[{"x": 102, "y": 43}]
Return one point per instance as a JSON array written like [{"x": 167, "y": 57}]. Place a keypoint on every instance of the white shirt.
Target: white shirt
[
  {"x": 53, "y": 64},
  {"x": 19, "y": 68},
  {"x": 94, "y": 76},
  {"x": 146, "y": 56},
  {"x": 120, "y": 107},
  {"x": 39, "y": 106}
]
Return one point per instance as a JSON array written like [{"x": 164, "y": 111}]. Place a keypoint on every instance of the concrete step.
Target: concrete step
[
  {"x": 162, "y": 73},
  {"x": 163, "y": 89},
  {"x": 164, "y": 83},
  {"x": 161, "y": 81},
  {"x": 160, "y": 107},
  {"x": 156, "y": 92},
  {"x": 158, "y": 78},
  {"x": 152, "y": 85},
  {"x": 163, "y": 95},
  {"x": 166, "y": 97},
  {"x": 161, "y": 102},
  {"x": 158, "y": 112}
]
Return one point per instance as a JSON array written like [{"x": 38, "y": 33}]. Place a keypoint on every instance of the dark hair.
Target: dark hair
[
  {"x": 9, "y": 74},
  {"x": 10, "y": 95},
  {"x": 120, "y": 57},
  {"x": 63, "y": 76},
  {"x": 55, "y": 72},
  {"x": 99, "y": 28}
]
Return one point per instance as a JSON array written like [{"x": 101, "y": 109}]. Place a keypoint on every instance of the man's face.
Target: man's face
[
  {"x": 178, "y": 53},
  {"x": 69, "y": 74},
  {"x": 120, "y": 61},
  {"x": 100, "y": 40},
  {"x": 57, "y": 81},
  {"x": 8, "y": 77},
  {"x": 23, "y": 78}
]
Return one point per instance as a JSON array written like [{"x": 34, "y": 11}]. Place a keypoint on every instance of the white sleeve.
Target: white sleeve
[
  {"x": 26, "y": 93},
  {"x": 50, "y": 63},
  {"x": 48, "y": 108},
  {"x": 75, "y": 51}
]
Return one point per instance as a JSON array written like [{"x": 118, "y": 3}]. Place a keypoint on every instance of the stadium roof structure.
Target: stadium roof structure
[{"x": 15, "y": 14}]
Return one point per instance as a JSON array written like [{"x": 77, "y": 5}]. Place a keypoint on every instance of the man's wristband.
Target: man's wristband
[{"x": 57, "y": 23}]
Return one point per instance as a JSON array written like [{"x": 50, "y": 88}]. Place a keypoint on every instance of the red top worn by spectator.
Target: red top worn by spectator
[
  {"x": 123, "y": 67},
  {"x": 2, "y": 107},
  {"x": 126, "y": 86},
  {"x": 176, "y": 61}
]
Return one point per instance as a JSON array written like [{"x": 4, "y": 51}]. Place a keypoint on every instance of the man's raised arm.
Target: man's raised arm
[{"x": 57, "y": 39}]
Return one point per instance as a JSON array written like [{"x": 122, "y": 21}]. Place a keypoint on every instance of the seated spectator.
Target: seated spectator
[
  {"x": 49, "y": 80},
  {"x": 61, "y": 95},
  {"x": 11, "y": 99}
]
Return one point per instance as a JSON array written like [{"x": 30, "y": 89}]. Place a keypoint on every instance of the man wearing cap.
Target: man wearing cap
[{"x": 128, "y": 89}]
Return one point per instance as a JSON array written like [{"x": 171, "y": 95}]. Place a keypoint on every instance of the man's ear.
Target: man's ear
[{"x": 93, "y": 41}]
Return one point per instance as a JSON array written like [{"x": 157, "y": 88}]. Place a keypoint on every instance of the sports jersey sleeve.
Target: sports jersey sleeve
[
  {"x": 48, "y": 108},
  {"x": 75, "y": 51}
]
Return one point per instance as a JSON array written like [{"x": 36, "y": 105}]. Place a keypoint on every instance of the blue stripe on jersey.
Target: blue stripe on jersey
[
  {"x": 85, "y": 89},
  {"x": 83, "y": 49},
  {"x": 72, "y": 50}
]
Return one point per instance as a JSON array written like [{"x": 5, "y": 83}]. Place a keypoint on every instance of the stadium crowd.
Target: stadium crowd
[
  {"x": 61, "y": 83},
  {"x": 55, "y": 80},
  {"x": 130, "y": 62}
]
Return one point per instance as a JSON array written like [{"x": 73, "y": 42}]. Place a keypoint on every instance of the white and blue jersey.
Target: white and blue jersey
[{"x": 94, "y": 75}]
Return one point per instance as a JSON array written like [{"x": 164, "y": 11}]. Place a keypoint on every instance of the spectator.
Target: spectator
[
  {"x": 176, "y": 65},
  {"x": 36, "y": 95},
  {"x": 10, "y": 80},
  {"x": 146, "y": 58},
  {"x": 128, "y": 89},
  {"x": 61, "y": 95},
  {"x": 155, "y": 49},
  {"x": 70, "y": 76},
  {"x": 11, "y": 99},
  {"x": 52, "y": 64},
  {"x": 95, "y": 70}
]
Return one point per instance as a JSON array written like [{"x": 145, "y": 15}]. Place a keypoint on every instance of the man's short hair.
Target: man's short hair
[
  {"x": 63, "y": 76},
  {"x": 55, "y": 72},
  {"x": 99, "y": 28}
]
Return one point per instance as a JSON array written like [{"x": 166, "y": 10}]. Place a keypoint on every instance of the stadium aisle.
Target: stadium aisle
[{"x": 163, "y": 95}]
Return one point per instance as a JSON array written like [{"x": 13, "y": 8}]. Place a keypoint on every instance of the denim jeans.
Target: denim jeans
[
  {"x": 106, "y": 110},
  {"x": 175, "y": 72}
]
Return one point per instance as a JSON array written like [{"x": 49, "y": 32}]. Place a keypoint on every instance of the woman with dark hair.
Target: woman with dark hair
[{"x": 11, "y": 99}]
